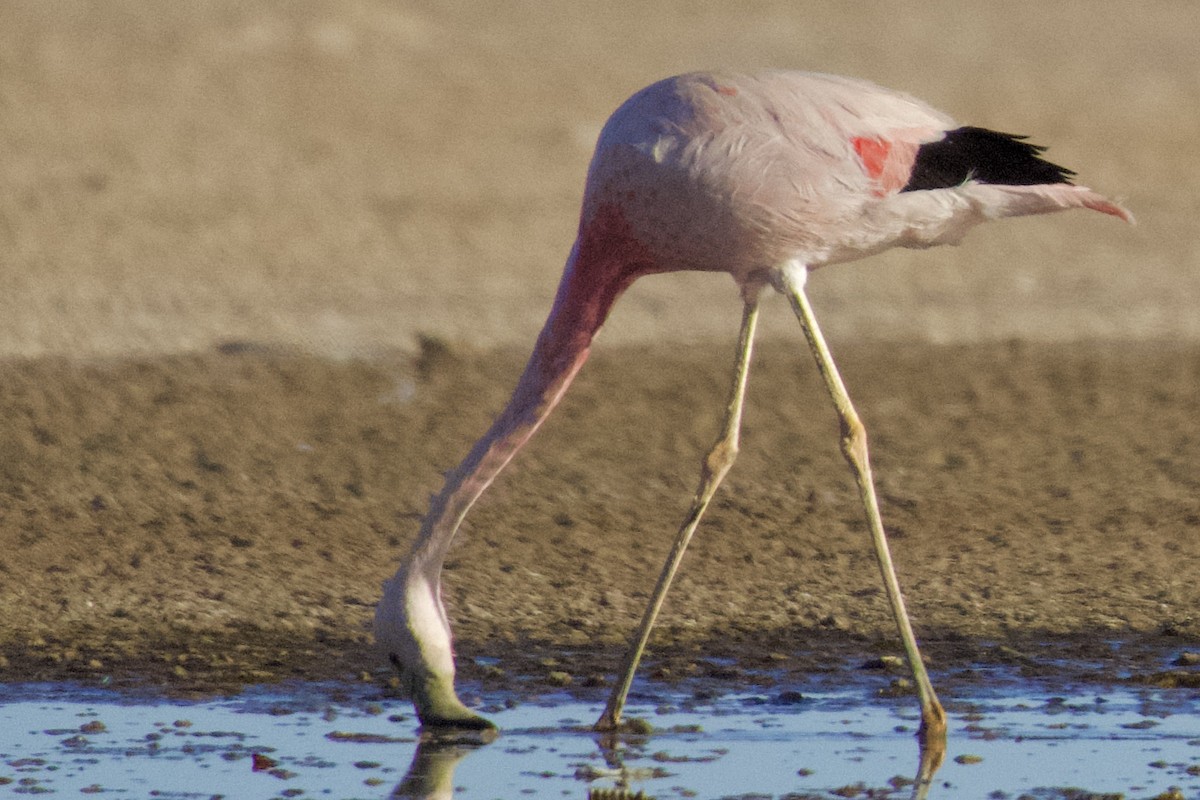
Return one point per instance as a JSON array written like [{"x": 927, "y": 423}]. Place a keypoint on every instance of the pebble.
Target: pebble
[
  {"x": 883, "y": 662},
  {"x": 637, "y": 726}
]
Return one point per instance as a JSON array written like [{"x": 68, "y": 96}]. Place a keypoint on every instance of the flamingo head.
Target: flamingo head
[{"x": 412, "y": 631}]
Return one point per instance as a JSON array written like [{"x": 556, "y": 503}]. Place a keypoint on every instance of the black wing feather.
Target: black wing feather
[{"x": 983, "y": 156}]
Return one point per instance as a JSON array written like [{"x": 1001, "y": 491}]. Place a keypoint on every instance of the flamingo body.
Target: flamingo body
[
  {"x": 738, "y": 174},
  {"x": 765, "y": 177}
]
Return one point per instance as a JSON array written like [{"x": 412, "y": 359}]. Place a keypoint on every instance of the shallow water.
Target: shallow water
[{"x": 345, "y": 741}]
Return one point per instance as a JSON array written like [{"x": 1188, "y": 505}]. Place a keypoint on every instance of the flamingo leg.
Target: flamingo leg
[
  {"x": 716, "y": 464},
  {"x": 790, "y": 282}
]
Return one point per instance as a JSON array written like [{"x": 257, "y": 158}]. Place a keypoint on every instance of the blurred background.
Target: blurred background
[{"x": 347, "y": 177}]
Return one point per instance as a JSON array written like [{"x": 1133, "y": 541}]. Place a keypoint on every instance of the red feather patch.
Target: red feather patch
[{"x": 873, "y": 152}]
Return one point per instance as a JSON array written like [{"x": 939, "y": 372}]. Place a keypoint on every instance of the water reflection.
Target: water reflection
[
  {"x": 346, "y": 741},
  {"x": 430, "y": 776},
  {"x": 929, "y": 761}
]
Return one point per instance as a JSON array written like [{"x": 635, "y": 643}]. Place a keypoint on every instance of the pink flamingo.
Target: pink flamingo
[{"x": 766, "y": 177}]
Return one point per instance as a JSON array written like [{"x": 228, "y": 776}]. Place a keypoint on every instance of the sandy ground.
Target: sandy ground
[
  {"x": 228, "y": 517},
  {"x": 266, "y": 269}
]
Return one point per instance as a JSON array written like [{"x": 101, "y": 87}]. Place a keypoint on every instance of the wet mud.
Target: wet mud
[{"x": 211, "y": 521}]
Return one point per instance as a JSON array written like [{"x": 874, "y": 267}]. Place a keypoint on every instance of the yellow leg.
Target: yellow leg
[
  {"x": 716, "y": 465},
  {"x": 854, "y": 448}
]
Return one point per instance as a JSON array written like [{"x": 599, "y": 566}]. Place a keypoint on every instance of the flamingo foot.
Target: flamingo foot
[{"x": 931, "y": 737}]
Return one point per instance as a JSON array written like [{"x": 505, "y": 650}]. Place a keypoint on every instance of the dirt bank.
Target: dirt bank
[{"x": 229, "y": 517}]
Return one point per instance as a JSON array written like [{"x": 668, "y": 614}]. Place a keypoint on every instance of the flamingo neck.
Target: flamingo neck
[{"x": 603, "y": 263}]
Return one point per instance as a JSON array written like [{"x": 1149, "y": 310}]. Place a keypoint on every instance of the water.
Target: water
[{"x": 345, "y": 741}]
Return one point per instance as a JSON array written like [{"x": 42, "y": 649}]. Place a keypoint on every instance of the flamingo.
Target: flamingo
[{"x": 766, "y": 177}]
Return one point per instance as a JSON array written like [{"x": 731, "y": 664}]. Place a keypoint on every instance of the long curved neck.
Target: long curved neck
[{"x": 594, "y": 278}]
